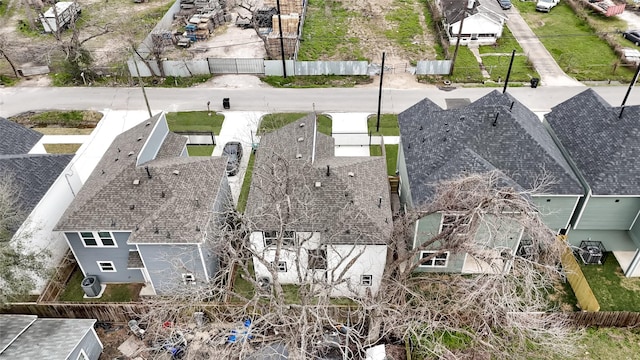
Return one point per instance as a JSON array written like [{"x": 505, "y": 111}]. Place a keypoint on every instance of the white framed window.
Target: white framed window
[
  {"x": 366, "y": 280},
  {"x": 271, "y": 238},
  {"x": 281, "y": 266},
  {"x": 82, "y": 355},
  {"x": 438, "y": 259},
  {"x": 189, "y": 279},
  {"x": 455, "y": 222},
  {"x": 106, "y": 266},
  {"x": 98, "y": 239}
]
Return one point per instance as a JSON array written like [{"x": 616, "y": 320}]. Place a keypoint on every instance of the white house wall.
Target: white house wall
[
  {"x": 371, "y": 260},
  {"x": 475, "y": 25}
]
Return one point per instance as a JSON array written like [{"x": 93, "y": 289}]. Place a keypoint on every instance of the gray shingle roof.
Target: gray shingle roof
[
  {"x": 51, "y": 339},
  {"x": 604, "y": 147},
  {"x": 453, "y": 10},
  {"x": 173, "y": 206},
  {"x": 288, "y": 180},
  {"x": 33, "y": 175},
  {"x": 15, "y": 138},
  {"x": 440, "y": 144}
]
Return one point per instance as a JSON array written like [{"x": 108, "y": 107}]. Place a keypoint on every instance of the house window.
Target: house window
[
  {"x": 366, "y": 280},
  {"x": 271, "y": 238},
  {"x": 188, "y": 279},
  {"x": 282, "y": 266},
  {"x": 82, "y": 355},
  {"x": 455, "y": 222},
  {"x": 437, "y": 259},
  {"x": 318, "y": 259},
  {"x": 98, "y": 239},
  {"x": 106, "y": 266}
]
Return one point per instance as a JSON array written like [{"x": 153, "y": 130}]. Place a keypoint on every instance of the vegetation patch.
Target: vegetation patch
[
  {"x": 194, "y": 121},
  {"x": 466, "y": 68},
  {"x": 388, "y": 125},
  {"x": 611, "y": 288},
  {"x": 7, "y": 80},
  {"x": 406, "y": 30},
  {"x": 63, "y": 131},
  {"x": 498, "y": 66},
  {"x": 72, "y": 118},
  {"x": 610, "y": 343},
  {"x": 391, "y": 155},
  {"x": 246, "y": 185},
  {"x": 200, "y": 150},
  {"x": 113, "y": 293},
  {"x": 275, "y": 121},
  {"x": 61, "y": 148},
  {"x": 317, "y": 81}
]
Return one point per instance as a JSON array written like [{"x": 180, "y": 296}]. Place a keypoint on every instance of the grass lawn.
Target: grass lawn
[
  {"x": 66, "y": 118},
  {"x": 200, "y": 150},
  {"x": 406, "y": 26},
  {"x": 572, "y": 43},
  {"x": 113, "y": 293},
  {"x": 275, "y": 121},
  {"x": 611, "y": 343},
  {"x": 195, "y": 121},
  {"x": 241, "y": 286},
  {"x": 392, "y": 156},
  {"x": 63, "y": 131},
  {"x": 614, "y": 291},
  {"x": 61, "y": 148},
  {"x": 466, "y": 68},
  {"x": 388, "y": 124},
  {"x": 498, "y": 66},
  {"x": 246, "y": 184},
  {"x": 323, "y": 39},
  {"x": 505, "y": 45}
]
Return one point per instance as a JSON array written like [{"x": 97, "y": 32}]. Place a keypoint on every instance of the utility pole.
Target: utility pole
[
  {"x": 380, "y": 94},
  {"x": 144, "y": 93},
  {"x": 470, "y": 4},
  {"x": 633, "y": 82},
  {"x": 284, "y": 63},
  {"x": 506, "y": 81}
]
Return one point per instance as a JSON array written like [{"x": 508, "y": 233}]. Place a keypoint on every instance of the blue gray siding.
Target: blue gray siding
[
  {"x": 89, "y": 256},
  {"x": 608, "y": 213},
  {"x": 556, "y": 211},
  {"x": 154, "y": 142},
  {"x": 166, "y": 263},
  {"x": 405, "y": 190},
  {"x": 91, "y": 346},
  {"x": 634, "y": 233},
  {"x": 428, "y": 227}
]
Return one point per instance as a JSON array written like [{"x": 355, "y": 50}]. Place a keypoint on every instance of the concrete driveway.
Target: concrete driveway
[{"x": 550, "y": 73}]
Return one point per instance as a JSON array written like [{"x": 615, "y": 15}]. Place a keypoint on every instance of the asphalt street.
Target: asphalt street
[{"x": 15, "y": 100}]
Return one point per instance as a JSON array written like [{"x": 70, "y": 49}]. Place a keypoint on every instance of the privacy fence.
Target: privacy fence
[{"x": 584, "y": 294}]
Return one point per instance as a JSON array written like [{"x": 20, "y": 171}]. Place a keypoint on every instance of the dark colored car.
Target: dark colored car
[
  {"x": 633, "y": 36},
  {"x": 233, "y": 151},
  {"x": 505, "y": 4}
]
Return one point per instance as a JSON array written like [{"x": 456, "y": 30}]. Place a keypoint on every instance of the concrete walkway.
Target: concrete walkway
[
  {"x": 350, "y": 133},
  {"x": 550, "y": 73}
]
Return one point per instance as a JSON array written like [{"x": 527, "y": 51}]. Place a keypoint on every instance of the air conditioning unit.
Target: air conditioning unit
[
  {"x": 592, "y": 252},
  {"x": 91, "y": 286}
]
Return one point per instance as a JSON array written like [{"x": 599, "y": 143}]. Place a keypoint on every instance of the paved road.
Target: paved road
[
  {"x": 550, "y": 73},
  {"x": 16, "y": 100}
]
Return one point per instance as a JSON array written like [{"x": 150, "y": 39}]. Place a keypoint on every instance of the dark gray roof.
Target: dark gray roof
[
  {"x": 442, "y": 144},
  {"x": 173, "y": 206},
  {"x": 31, "y": 338},
  {"x": 290, "y": 177},
  {"x": 15, "y": 138},
  {"x": 453, "y": 10},
  {"x": 604, "y": 147},
  {"x": 33, "y": 175}
]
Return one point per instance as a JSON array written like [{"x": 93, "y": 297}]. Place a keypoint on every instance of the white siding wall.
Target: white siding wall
[{"x": 371, "y": 261}]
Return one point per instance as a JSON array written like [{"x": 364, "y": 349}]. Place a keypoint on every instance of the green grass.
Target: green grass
[
  {"x": 317, "y": 81},
  {"x": 195, "y": 121},
  {"x": 388, "y": 124},
  {"x": 73, "y": 118},
  {"x": 392, "y": 156},
  {"x": 200, "y": 150},
  {"x": 7, "y": 80},
  {"x": 505, "y": 44},
  {"x": 113, "y": 293},
  {"x": 241, "y": 286},
  {"x": 466, "y": 68},
  {"x": 246, "y": 184},
  {"x": 61, "y": 148},
  {"x": 406, "y": 30},
  {"x": 573, "y": 43},
  {"x": 498, "y": 66},
  {"x": 611, "y": 343},
  {"x": 181, "y": 82},
  {"x": 275, "y": 121},
  {"x": 325, "y": 33},
  {"x": 614, "y": 291}
]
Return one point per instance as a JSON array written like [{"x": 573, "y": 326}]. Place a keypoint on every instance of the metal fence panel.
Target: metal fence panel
[
  {"x": 236, "y": 66},
  {"x": 331, "y": 67},
  {"x": 185, "y": 68},
  {"x": 433, "y": 67},
  {"x": 142, "y": 66},
  {"x": 274, "y": 67}
]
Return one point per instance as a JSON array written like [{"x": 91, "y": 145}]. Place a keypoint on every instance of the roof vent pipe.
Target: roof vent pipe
[
  {"x": 148, "y": 172},
  {"x": 328, "y": 170},
  {"x": 495, "y": 121},
  {"x": 380, "y": 201},
  {"x": 511, "y": 107}
]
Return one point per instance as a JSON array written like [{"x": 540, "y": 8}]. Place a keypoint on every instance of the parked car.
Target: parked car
[
  {"x": 505, "y": 4},
  {"x": 633, "y": 36},
  {"x": 546, "y": 5},
  {"x": 233, "y": 151}
]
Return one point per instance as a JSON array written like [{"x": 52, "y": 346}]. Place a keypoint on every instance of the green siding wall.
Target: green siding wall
[
  {"x": 556, "y": 211},
  {"x": 428, "y": 227},
  {"x": 634, "y": 233},
  {"x": 405, "y": 191},
  {"x": 604, "y": 213}
]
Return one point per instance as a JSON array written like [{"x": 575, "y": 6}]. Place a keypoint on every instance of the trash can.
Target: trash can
[
  {"x": 534, "y": 82},
  {"x": 91, "y": 286},
  {"x": 226, "y": 104}
]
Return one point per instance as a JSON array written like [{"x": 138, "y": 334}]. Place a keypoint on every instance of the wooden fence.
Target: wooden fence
[
  {"x": 586, "y": 300},
  {"x": 59, "y": 279},
  {"x": 106, "y": 312},
  {"x": 606, "y": 318}
]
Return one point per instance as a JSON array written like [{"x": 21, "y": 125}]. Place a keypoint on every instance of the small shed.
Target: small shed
[
  {"x": 26, "y": 337},
  {"x": 59, "y": 16}
]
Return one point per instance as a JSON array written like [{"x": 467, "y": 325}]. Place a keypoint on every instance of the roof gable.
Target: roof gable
[{"x": 15, "y": 138}]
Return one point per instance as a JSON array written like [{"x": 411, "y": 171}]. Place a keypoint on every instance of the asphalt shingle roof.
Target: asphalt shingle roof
[
  {"x": 453, "y": 10},
  {"x": 171, "y": 206},
  {"x": 494, "y": 132},
  {"x": 605, "y": 147},
  {"x": 15, "y": 138},
  {"x": 31, "y": 338},
  {"x": 290, "y": 178}
]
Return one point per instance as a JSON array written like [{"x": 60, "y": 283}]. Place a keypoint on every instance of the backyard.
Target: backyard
[
  {"x": 612, "y": 289},
  {"x": 113, "y": 292}
]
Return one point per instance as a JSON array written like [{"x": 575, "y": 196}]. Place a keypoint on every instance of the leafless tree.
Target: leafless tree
[
  {"x": 502, "y": 311},
  {"x": 4, "y": 53},
  {"x": 19, "y": 266}
]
